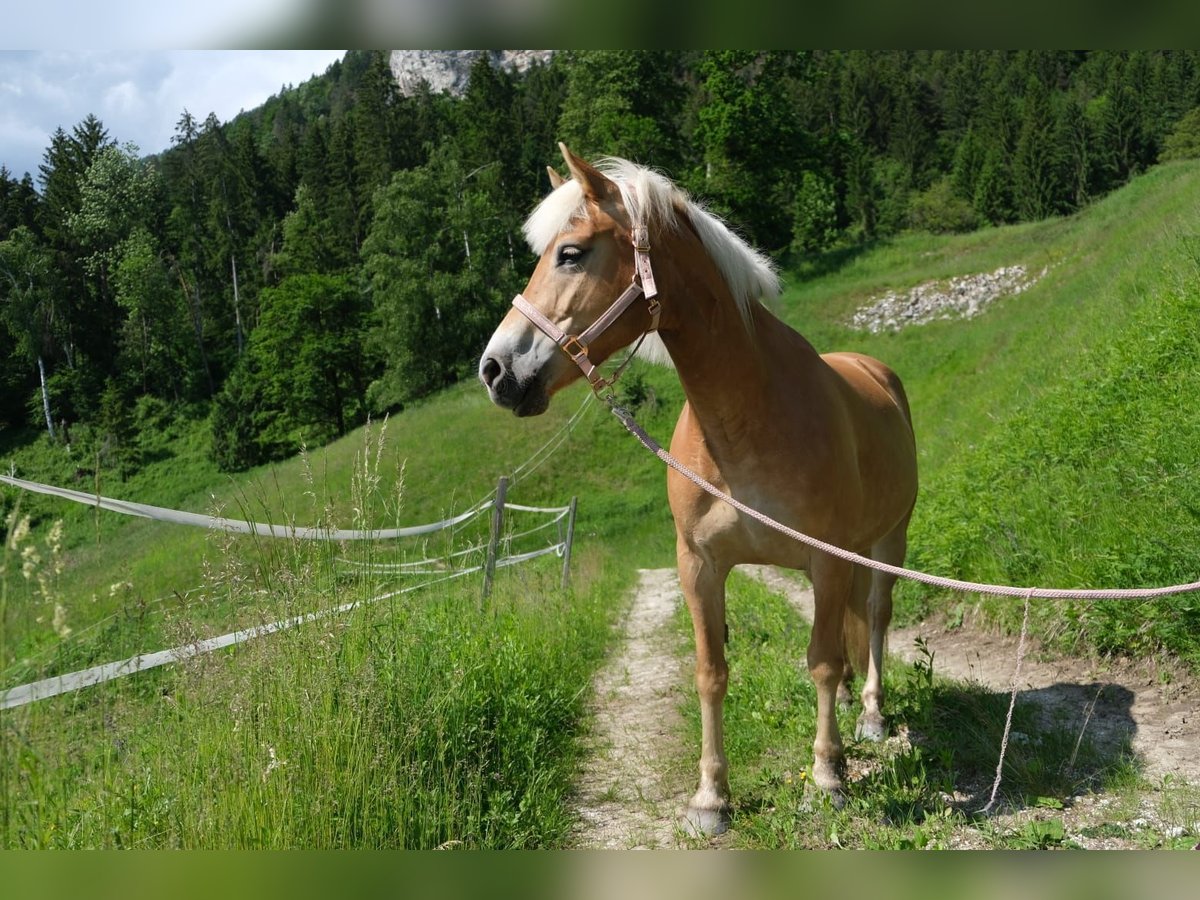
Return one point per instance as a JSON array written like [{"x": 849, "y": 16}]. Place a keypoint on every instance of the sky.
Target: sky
[
  {"x": 139, "y": 95},
  {"x": 139, "y": 88}
]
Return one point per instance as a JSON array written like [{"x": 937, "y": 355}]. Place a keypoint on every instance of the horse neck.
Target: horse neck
[{"x": 721, "y": 362}]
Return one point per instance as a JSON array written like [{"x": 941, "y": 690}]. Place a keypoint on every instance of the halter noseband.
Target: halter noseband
[{"x": 576, "y": 345}]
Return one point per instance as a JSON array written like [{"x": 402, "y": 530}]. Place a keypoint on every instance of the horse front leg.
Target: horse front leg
[
  {"x": 833, "y": 580},
  {"x": 703, "y": 585}
]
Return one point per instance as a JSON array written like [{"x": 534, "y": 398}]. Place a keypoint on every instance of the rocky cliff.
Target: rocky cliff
[{"x": 448, "y": 70}]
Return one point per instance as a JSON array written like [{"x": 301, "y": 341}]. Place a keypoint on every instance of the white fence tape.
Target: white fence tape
[
  {"x": 74, "y": 681},
  {"x": 219, "y": 523},
  {"x": 557, "y": 550},
  {"x": 560, "y": 510}
]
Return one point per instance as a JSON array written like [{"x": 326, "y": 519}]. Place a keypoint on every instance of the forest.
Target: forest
[{"x": 344, "y": 250}]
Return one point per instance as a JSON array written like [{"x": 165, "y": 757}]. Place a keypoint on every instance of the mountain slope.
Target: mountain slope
[{"x": 1058, "y": 433}]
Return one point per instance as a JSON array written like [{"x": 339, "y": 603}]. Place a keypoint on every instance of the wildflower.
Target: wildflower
[
  {"x": 54, "y": 538},
  {"x": 30, "y": 560},
  {"x": 275, "y": 763},
  {"x": 60, "y": 621},
  {"x": 54, "y": 541},
  {"x": 19, "y": 533}
]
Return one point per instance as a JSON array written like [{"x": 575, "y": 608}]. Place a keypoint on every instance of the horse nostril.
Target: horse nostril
[{"x": 490, "y": 372}]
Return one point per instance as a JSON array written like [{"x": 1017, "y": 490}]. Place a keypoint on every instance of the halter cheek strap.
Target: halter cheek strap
[{"x": 576, "y": 345}]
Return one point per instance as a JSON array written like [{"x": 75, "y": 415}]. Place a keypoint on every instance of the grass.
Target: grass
[
  {"x": 923, "y": 791},
  {"x": 1058, "y": 441},
  {"x": 412, "y": 724},
  {"x": 418, "y": 722},
  {"x": 1056, "y": 433}
]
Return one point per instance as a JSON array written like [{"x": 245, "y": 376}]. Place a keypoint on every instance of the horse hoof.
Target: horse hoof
[
  {"x": 704, "y": 823},
  {"x": 870, "y": 728}
]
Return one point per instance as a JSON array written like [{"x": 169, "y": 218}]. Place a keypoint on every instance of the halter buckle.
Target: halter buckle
[
  {"x": 641, "y": 239},
  {"x": 573, "y": 348}
]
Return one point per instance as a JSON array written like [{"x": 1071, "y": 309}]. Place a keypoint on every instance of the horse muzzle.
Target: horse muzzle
[{"x": 527, "y": 397}]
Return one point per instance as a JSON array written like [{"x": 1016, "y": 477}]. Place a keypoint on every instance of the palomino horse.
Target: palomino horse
[{"x": 821, "y": 443}]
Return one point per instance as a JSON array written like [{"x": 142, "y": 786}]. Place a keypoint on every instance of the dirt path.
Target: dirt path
[
  {"x": 630, "y": 796},
  {"x": 627, "y": 795},
  {"x": 1118, "y": 704},
  {"x": 1160, "y": 720}
]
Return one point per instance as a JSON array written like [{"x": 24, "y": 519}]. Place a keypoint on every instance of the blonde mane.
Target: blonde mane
[{"x": 654, "y": 201}]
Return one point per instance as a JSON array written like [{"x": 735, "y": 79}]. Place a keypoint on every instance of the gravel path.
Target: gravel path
[
  {"x": 627, "y": 796},
  {"x": 630, "y": 793}
]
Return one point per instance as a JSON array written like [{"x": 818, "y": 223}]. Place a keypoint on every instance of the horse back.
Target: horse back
[{"x": 872, "y": 381}]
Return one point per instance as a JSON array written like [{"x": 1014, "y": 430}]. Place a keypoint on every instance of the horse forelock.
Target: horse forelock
[{"x": 654, "y": 201}]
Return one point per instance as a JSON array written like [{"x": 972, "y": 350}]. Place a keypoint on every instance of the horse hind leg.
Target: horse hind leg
[
  {"x": 857, "y": 634},
  {"x": 890, "y": 549}
]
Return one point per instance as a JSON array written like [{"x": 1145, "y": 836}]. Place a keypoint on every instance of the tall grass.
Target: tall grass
[
  {"x": 422, "y": 720},
  {"x": 411, "y": 724}
]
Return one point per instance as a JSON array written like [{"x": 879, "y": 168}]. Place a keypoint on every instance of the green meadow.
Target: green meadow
[{"x": 1059, "y": 439}]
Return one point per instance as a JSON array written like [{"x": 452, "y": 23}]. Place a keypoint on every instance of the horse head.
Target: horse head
[{"x": 565, "y": 322}]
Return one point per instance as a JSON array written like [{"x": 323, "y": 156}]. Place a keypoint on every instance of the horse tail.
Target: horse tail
[
  {"x": 896, "y": 386},
  {"x": 856, "y": 626}
]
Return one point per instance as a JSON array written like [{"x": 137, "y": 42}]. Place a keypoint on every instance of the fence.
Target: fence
[{"x": 497, "y": 550}]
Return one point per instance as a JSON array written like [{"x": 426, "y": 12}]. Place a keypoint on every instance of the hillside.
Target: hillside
[
  {"x": 341, "y": 251},
  {"x": 1059, "y": 445},
  {"x": 1058, "y": 442}
]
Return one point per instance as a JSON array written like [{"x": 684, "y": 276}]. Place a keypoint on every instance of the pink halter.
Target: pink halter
[{"x": 576, "y": 345}]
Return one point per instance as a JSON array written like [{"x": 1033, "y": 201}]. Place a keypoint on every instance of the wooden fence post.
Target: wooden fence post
[
  {"x": 566, "y": 576},
  {"x": 489, "y": 566}
]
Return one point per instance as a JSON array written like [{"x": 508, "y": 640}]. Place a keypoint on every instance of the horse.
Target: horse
[{"x": 822, "y": 443}]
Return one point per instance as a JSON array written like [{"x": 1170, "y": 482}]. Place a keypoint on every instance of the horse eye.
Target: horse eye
[{"x": 569, "y": 254}]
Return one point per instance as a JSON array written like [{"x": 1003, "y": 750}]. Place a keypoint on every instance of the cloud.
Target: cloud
[
  {"x": 142, "y": 25},
  {"x": 123, "y": 99},
  {"x": 139, "y": 96}
]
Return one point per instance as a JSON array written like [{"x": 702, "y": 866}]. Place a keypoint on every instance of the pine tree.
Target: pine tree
[
  {"x": 342, "y": 211},
  {"x": 185, "y": 228},
  {"x": 30, "y": 288},
  {"x": 1122, "y": 144},
  {"x": 374, "y": 126},
  {"x": 1073, "y": 135},
  {"x": 752, "y": 149},
  {"x": 624, "y": 103},
  {"x": 484, "y": 123},
  {"x": 19, "y": 202},
  {"x": 1036, "y": 164},
  {"x": 538, "y": 106},
  {"x": 993, "y": 192}
]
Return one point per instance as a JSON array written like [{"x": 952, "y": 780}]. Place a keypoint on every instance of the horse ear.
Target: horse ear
[
  {"x": 556, "y": 180},
  {"x": 595, "y": 185}
]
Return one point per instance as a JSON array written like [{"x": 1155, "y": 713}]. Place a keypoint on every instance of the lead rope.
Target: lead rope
[
  {"x": 954, "y": 584},
  {"x": 1012, "y": 702},
  {"x": 626, "y": 419}
]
